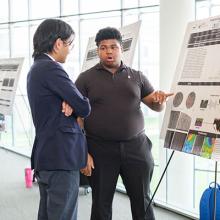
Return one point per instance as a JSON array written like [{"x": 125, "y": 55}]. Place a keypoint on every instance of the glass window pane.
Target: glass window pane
[
  {"x": 149, "y": 46},
  {"x": 4, "y": 42},
  {"x": 149, "y": 2},
  {"x": 19, "y": 40},
  {"x": 204, "y": 164},
  {"x": 4, "y": 11},
  {"x": 129, "y": 3},
  {"x": 69, "y": 7},
  {"x": 100, "y": 5},
  {"x": 42, "y": 8},
  {"x": 22, "y": 125},
  {"x": 19, "y": 10},
  {"x": 20, "y": 33},
  {"x": 130, "y": 16},
  {"x": 22, "y": 83},
  {"x": 202, "y": 10},
  {"x": 215, "y": 1},
  {"x": 215, "y": 10}
]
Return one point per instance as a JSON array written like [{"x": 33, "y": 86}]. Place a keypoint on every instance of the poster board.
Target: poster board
[
  {"x": 9, "y": 75},
  {"x": 192, "y": 119},
  {"x": 129, "y": 40}
]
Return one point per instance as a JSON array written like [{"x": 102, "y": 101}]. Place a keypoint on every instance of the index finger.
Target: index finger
[{"x": 169, "y": 94}]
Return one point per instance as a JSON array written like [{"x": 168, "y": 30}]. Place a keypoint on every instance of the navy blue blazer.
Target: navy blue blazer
[{"x": 59, "y": 142}]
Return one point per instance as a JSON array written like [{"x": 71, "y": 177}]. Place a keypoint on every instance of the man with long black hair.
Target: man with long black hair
[
  {"x": 60, "y": 149},
  {"x": 115, "y": 129}
]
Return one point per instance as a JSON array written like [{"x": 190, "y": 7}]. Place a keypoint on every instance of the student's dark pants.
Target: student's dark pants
[
  {"x": 133, "y": 161},
  {"x": 58, "y": 195}
]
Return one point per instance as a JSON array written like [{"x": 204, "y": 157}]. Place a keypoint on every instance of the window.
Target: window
[
  {"x": 4, "y": 42},
  {"x": 19, "y": 10},
  {"x": 44, "y": 8},
  {"x": 4, "y": 13}
]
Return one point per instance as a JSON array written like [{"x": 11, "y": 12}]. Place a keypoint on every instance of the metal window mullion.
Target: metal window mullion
[
  {"x": 210, "y": 6},
  {"x": 194, "y": 183},
  {"x": 122, "y": 14},
  {"x": 79, "y": 34},
  {"x": 29, "y": 34},
  {"x": 10, "y": 55},
  {"x": 61, "y": 8},
  {"x": 29, "y": 62}
]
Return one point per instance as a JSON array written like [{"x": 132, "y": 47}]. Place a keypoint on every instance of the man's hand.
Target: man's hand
[
  {"x": 156, "y": 100},
  {"x": 67, "y": 109},
  {"x": 87, "y": 171},
  {"x": 160, "y": 96}
]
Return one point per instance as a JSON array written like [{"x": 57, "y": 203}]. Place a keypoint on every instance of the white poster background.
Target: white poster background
[
  {"x": 9, "y": 75},
  {"x": 129, "y": 40},
  {"x": 192, "y": 118}
]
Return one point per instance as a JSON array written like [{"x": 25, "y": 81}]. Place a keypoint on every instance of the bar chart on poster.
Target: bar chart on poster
[
  {"x": 9, "y": 75},
  {"x": 192, "y": 119},
  {"x": 129, "y": 39}
]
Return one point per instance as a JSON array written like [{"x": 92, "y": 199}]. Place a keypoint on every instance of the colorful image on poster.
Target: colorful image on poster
[
  {"x": 207, "y": 147},
  {"x": 188, "y": 145}
]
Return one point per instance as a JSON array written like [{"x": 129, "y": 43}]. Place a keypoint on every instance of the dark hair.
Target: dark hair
[
  {"x": 47, "y": 33},
  {"x": 108, "y": 33}
]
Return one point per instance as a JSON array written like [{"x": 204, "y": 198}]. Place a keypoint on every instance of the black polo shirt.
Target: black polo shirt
[{"x": 115, "y": 101}]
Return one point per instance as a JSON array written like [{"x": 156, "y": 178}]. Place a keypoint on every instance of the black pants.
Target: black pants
[
  {"x": 58, "y": 195},
  {"x": 133, "y": 161}
]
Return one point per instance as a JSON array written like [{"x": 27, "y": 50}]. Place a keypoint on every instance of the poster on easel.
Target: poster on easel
[
  {"x": 9, "y": 75},
  {"x": 129, "y": 40},
  {"x": 192, "y": 119}
]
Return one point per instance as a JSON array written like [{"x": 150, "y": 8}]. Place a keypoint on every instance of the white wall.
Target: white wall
[
  {"x": 174, "y": 16},
  {"x": 177, "y": 186}
]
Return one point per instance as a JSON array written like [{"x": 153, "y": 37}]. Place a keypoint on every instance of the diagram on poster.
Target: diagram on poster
[
  {"x": 9, "y": 74},
  {"x": 129, "y": 39},
  {"x": 192, "y": 119}
]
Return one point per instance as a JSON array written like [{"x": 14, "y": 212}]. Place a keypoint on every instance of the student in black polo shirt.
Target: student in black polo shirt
[{"x": 115, "y": 129}]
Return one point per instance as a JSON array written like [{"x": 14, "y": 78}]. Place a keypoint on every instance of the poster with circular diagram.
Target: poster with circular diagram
[{"x": 191, "y": 122}]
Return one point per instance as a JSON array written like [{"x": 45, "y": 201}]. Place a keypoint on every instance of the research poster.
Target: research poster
[
  {"x": 129, "y": 40},
  {"x": 9, "y": 75},
  {"x": 192, "y": 119}
]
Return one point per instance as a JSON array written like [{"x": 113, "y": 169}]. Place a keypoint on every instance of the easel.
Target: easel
[{"x": 161, "y": 178}]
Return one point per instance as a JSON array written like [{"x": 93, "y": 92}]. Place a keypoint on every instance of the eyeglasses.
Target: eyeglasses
[{"x": 69, "y": 43}]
